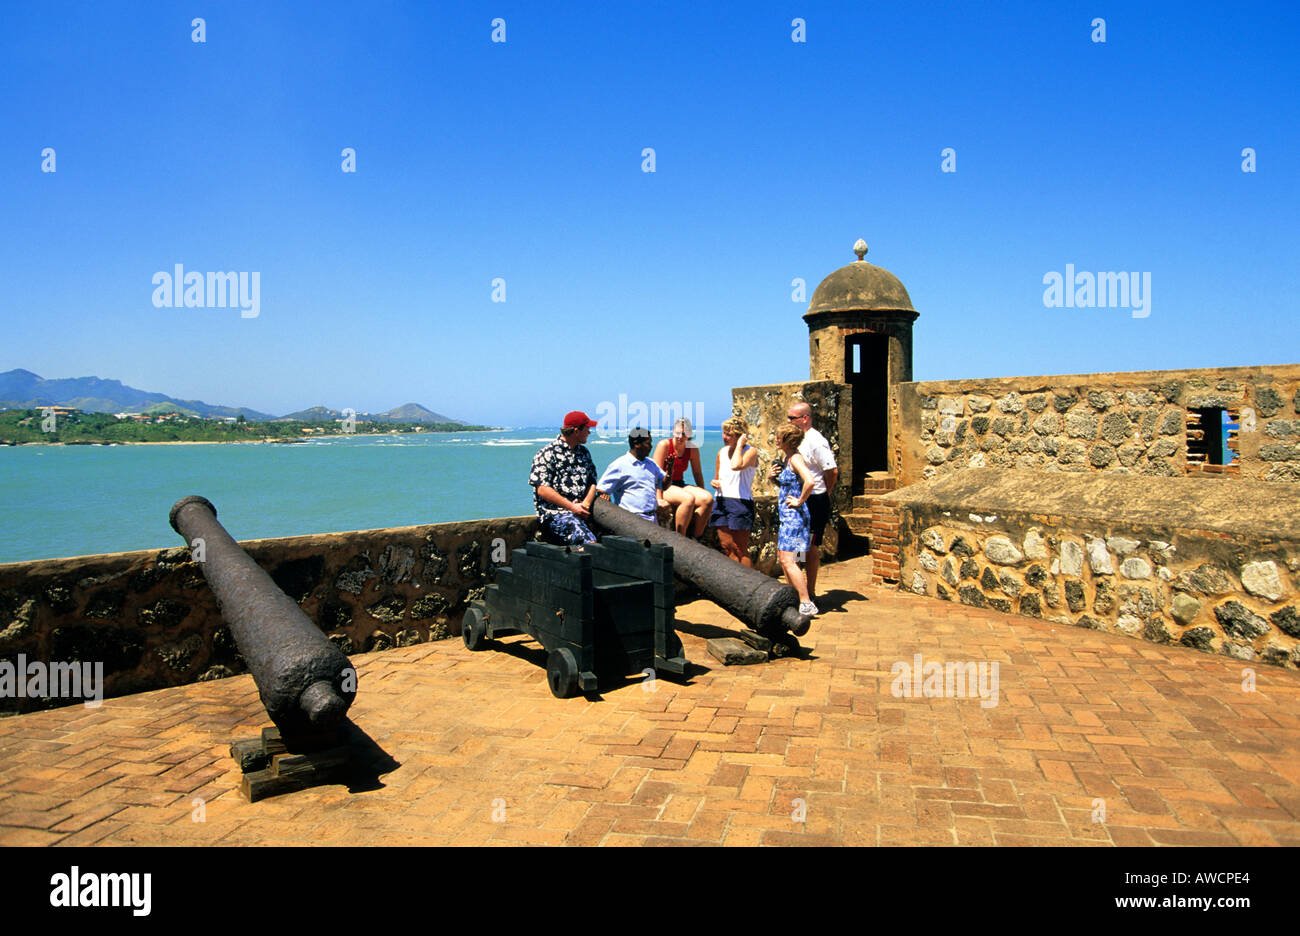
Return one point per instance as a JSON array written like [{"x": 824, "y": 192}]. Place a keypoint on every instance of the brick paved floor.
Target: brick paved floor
[{"x": 1163, "y": 739}]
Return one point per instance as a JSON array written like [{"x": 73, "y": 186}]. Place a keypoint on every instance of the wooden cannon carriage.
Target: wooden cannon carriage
[{"x": 601, "y": 612}]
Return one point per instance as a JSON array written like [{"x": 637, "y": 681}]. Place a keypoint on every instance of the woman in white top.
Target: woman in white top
[{"x": 733, "y": 480}]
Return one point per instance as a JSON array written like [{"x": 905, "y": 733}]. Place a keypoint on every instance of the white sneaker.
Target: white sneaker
[{"x": 808, "y": 609}]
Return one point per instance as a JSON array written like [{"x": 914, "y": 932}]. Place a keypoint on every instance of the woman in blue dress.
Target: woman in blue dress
[{"x": 795, "y": 484}]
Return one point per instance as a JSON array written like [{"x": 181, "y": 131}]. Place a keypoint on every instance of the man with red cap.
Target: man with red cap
[{"x": 564, "y": 482}]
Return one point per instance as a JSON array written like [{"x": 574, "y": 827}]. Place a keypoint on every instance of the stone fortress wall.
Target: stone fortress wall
[
  {"x": 1012, "y": 494},
  {"x": 995, "y": 491},
  {"x": 1123, "y": 423},
  {"x": 151, "y": 619},
  {"x": 1087, "y": 500},
  {"x": 1194, "y": 561}
]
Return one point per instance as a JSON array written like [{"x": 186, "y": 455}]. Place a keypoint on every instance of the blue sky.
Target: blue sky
[{"x": 523, "y": 160}]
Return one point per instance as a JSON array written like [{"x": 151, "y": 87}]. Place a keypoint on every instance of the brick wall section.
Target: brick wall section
[{"x": 885, "y": 520}]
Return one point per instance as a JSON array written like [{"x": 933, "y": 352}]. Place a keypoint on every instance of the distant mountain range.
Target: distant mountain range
[
  {"x": 21, "y": 389},
  {"x": 407, "y": 413}
]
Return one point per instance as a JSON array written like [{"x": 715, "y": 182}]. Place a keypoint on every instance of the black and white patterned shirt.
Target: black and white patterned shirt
[{"x": 570, "y": 471}]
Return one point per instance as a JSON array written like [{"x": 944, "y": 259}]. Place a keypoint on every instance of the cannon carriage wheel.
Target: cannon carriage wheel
[
  {"x": 473, "y": 628},
  {"x": 562, "y": 673}
]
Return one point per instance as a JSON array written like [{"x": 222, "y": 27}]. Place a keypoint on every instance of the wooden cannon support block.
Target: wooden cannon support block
[
  {"x": 601, "y": 611},
  {"x": 749, "y": 647},
  {"x": 270, "y": 768}
]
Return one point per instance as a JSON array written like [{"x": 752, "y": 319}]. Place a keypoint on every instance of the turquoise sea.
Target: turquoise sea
[{"x": 75, "y": 500}]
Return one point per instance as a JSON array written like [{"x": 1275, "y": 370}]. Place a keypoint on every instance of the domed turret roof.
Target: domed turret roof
[{"x": 860, "y": 286}]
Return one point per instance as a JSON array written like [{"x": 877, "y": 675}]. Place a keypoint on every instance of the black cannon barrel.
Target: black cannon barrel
[
  {"x": 757, "y": 599},
  {"x": 306, "y": 683}
]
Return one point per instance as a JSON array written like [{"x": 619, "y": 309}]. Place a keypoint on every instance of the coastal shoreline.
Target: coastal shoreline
[
  {"x": 273, "y": 440},
  {"x": 79, "y": 444}
]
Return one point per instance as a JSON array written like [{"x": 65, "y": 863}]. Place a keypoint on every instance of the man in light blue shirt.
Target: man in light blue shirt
[{"x": 634, "y": 481}]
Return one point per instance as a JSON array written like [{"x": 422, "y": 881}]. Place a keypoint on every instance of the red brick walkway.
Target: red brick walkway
[{"x": 1095, "y": 740}]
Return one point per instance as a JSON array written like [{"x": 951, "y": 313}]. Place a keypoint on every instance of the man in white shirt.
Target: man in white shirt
[{"x": 817, "y": 454}]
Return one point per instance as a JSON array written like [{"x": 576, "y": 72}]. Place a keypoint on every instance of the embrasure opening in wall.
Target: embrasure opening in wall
[{"x": 1212, "y": 440}]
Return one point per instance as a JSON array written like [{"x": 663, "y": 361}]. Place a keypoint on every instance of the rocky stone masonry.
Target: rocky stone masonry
[
  {"x": 1194, "y": 561},
  {"x": 151, "y": 619},
  {"x": 1122, "y": 423},
  {"x": 764, "y": 409},
  {"x": 1180, "y": 591}
]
